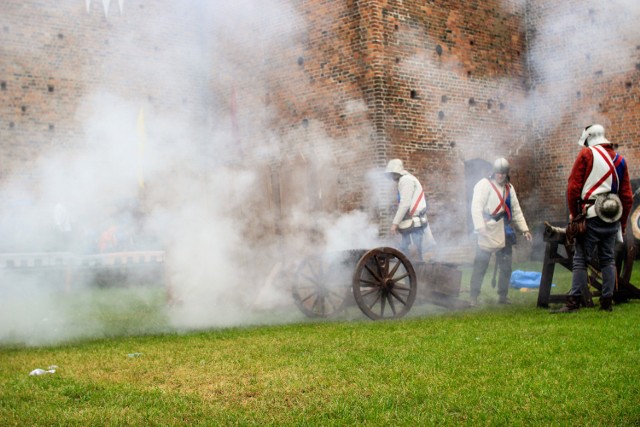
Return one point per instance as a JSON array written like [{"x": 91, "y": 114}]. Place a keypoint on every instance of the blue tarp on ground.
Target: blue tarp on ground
[{"x": 525, "y": 279}]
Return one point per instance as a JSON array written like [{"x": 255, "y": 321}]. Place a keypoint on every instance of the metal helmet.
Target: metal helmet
[
  {"x": 593, "y": 135},
  {"x": 395, "y": 166},
  {"x": 501, "y": 165},
  {"x": 608, "y": 207}
]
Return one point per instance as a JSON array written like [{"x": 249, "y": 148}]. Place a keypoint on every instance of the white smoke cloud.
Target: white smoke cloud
[
  {"x": 199, "y": 201},
  {"x": 577, "y": 42}
]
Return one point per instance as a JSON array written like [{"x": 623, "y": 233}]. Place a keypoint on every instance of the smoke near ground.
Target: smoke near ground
[{"x": 172, "y": 179}]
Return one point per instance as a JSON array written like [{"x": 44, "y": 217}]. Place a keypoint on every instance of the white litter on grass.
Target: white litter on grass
[
  {"x": 50, "y": 370},
  {"x": 134, "y": 355}
]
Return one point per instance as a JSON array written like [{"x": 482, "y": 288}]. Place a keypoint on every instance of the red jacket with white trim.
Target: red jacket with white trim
[{"x": 581, "y": 171}]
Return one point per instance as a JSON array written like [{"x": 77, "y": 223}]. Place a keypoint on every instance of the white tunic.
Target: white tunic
[
  {"x": 410, "y": 190},
  {"x": 486, "y": 203},
  {"x": 600, "y": 180}
]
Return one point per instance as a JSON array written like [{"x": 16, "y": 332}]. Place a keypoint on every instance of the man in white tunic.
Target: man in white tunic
[
  {"x": 410, "y": 219},
  {"x": 495, "y": 212}
]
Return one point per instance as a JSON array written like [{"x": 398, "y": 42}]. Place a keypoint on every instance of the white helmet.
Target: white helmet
[
  {"x": 593, "y": 135},
  {"x": 395, "y": 166},
  {"x": 501, "y": 165}
]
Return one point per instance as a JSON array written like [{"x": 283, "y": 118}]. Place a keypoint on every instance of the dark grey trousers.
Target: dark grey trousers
[
  {"x": 504, "y": 259},
  {"x": 599, "y": 242}
]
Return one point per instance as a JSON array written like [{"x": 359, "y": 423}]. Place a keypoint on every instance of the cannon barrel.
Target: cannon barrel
[{"x": 554, "y": 234}]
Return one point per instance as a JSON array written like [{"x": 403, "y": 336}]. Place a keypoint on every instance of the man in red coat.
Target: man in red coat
[{"x": 599, "y": 187}]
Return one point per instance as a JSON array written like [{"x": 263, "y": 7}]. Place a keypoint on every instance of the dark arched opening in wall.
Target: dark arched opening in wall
[{"x": 474, "y": 171}]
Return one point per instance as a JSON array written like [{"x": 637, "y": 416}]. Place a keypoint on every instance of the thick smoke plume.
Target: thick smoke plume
[{"x": 170, "y": 178}]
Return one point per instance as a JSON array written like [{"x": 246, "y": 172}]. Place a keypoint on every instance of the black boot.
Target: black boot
[
  {"x": 572, "y": 305},
  {"x": 606, "y": 304}
]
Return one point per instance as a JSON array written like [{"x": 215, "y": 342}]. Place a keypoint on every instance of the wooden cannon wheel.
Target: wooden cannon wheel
[
  {"x": 384, "y": 284},
  {"x": 321, "y": 285}
]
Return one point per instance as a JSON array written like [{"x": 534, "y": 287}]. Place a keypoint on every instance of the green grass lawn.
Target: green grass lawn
[{"x": 492, "y": 365}]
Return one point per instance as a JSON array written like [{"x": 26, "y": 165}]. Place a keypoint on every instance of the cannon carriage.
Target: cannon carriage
[
  {"x": 382, "y": 282},
  {"x": 559, "y": 251}
]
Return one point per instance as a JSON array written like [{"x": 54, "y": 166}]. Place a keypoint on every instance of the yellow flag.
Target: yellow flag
[{"x": 141, "y": 146}]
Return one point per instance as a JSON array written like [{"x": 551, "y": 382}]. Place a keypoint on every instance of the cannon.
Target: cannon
[
  {"x": 382, "y": 282},
  {"x": 559, "y": 250}
]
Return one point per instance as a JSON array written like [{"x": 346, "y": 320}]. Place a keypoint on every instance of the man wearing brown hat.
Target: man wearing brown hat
[{"x": 598, "y": 187}]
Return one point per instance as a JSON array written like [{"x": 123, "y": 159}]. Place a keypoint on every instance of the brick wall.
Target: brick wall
[
  {"x": 440, "y": 85},
  {"x": 55, "y": 54}
]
